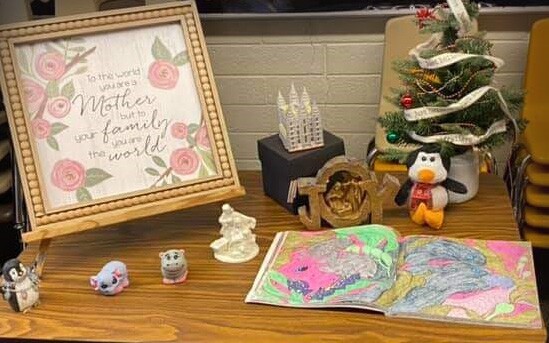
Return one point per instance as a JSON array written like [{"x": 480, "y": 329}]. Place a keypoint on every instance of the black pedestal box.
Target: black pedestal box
[{"x": 280, "y": 168}]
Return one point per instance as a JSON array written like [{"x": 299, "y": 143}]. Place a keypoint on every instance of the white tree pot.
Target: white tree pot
[{"x": 465, "y": 169}]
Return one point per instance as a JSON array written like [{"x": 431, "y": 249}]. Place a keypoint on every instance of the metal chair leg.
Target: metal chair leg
[
  {"x": 510, "y": 167},
  {"x": 519, "y": 183},
  {"x": 371, "y": 158},
  {"x": 371, "y": 153}
]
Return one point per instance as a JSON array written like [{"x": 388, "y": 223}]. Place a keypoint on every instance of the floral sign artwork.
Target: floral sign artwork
[
  {"x": 47, "y": 85},
  {"x": 110, "y": 118}
]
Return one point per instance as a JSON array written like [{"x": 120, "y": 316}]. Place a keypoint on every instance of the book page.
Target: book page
[
  {"x": 465, "y": 280},
  {"x": 348, "y": 267}
]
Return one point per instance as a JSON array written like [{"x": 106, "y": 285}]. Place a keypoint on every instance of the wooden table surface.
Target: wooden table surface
[{"x": 210, "y": 306}]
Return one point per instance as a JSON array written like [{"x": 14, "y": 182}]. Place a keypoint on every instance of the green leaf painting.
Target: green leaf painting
[
  {"x": 191, "y": 140},
  {"x": 159, "y": 161},
  {"x": 95, "y": 176},
  {"x": 160, "y": 51},
  {"x": 78, "y": 49},
  {"x": 82, "y": 194},
  {"x": 152, "y": 171},
  {"x": 23, "y": 61},
  {"x": 52, "y": 48},
  {"x": 193, "y": 127},
  {"x": 175, "y": 179},
  {"x": 207, "y": 159},
  {"x": 181, "y": 58},
  {"x": 68, "y": 90},
  {"x": 202, "y": 172},
  {"x": 81, "y": 70},
  {"x": 52, "y": 89},
  {"x": 77, "y": 40},
  {"x": 57, "y": 127},
  {"x": 52, "y": 142}
]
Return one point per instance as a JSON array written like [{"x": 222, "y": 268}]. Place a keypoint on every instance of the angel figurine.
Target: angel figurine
[{"x": 237, "y": 243}]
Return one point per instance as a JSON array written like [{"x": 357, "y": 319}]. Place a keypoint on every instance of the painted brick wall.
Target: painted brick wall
[{"x": 338, "y": 60}]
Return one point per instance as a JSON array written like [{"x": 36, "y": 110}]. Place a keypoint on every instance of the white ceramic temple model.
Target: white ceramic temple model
[
  {"x": 238, "y": 242},
  {"x": 299, "y": 120}
]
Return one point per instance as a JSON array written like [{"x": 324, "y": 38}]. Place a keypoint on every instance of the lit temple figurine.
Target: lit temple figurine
[
  {"x": 299, "y": 122},
  {"x": 238, "y": 242}
]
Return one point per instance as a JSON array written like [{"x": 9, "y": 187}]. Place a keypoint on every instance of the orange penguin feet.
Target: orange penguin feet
[
  {"x": 422, "y": 215},
  {"x": 418, "y": 216},
  {"x": 434, "y": 218}
]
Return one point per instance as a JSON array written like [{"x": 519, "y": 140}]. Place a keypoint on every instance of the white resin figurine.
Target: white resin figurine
[
  {"x": 300, "y": 125},
  {"x": 238, "y": 242}
]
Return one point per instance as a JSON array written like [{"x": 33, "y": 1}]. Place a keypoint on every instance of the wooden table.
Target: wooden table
[{"x": 210, "y": 306}]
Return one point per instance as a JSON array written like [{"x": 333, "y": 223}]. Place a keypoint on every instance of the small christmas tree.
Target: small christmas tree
[{"x": 447, "y": 97}]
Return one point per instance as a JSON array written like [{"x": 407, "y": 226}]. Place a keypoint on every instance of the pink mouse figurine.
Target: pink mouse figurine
[{"x": 112, "y": 279}]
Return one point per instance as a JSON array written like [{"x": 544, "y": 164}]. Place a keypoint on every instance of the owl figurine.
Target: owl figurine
[{"x": 20, "y": 288}]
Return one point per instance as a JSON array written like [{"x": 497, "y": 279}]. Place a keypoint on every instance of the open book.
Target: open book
[{"x": 429, "y": 277}]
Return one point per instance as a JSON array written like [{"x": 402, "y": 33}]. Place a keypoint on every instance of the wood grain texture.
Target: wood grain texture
[{"x": 210, "y": 306}]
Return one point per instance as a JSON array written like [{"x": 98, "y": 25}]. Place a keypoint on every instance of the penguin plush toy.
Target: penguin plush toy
[
  {"x": 426, "y": 189},
  {"x": 20, "y": 287}
]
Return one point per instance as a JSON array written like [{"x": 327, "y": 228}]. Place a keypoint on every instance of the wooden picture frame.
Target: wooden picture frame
[{"x": 46, "y": 63}]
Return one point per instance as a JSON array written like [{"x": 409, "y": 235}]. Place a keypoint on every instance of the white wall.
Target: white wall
[{"x": 338, "y": 60}]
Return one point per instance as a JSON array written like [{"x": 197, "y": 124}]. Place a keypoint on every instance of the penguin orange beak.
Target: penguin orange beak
[{"x": 426, "y": 175}]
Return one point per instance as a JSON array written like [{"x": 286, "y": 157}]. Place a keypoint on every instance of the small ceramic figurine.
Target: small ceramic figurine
[
  {"x": 299, "y": 122},
  {"x": 20, "y": 287},
  {"x": 173, "y": 266},
  {"x": 112, "y": 279},
  {"x": 238, "y": 242},
  {"x": 426, "y": 189}
]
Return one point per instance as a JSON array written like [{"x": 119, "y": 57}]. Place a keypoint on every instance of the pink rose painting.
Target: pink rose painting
[
  {"x": 34, "y": 94},
  {"x": 195, "y": 155},
  {"x": 41, "y": 128},
  {"x": 48, "y": 88},
  {"x": 70, "y": 175},
  {"x": 50, "y": 65},
  {"x": 59, "y": 107},
  {"x": 184, "y": 161},
  {"x": 163, "y": 72},
  {"x": 179, "y": 130},
  {"x": 163, "y": 75}
]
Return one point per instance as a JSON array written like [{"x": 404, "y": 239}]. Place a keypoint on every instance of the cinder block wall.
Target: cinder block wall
[{"x": 338, "y": 60}]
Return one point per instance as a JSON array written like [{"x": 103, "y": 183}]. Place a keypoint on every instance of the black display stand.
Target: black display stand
[{"x": 280, "y": 167}]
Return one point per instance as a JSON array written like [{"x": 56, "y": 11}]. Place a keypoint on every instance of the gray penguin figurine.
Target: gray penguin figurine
[
  {"x": 20, "y": 287},
  {"x": 173, "y": 266}
]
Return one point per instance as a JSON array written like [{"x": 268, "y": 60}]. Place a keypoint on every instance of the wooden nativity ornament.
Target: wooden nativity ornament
[
  {"x": 114, "y": 116},
  {"x": 345, "y": 193}
]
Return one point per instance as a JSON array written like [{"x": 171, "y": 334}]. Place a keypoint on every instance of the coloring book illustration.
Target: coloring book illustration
[{"x": 429, "y": 277}]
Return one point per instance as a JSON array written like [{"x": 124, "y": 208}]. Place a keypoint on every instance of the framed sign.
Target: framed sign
[{"x": 114, "y": 116}]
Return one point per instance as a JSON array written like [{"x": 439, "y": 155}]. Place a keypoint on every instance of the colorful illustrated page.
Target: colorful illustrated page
[
  {"x": 491, "y": 282},
  {"x": 113, "y": 113},
  {"x": 351, "y": 266}
]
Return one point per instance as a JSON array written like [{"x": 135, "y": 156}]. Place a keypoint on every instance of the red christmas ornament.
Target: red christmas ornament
[
  {"x": 406, "y": 101},
  {"x": 424, "y": 14}
]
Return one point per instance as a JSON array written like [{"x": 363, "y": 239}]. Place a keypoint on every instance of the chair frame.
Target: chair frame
[{"x": 516, "y": 181}]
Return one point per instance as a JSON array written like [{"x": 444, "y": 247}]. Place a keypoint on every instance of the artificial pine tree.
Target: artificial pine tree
[{"x": 438, "y": 74}]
